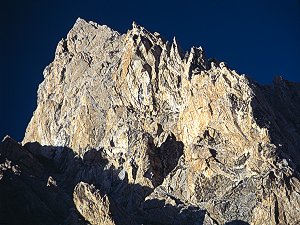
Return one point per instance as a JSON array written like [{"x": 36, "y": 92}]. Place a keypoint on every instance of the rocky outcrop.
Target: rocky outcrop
[
  {"x": 130, "y": 130},
  {"x": 92, "y": 205}
]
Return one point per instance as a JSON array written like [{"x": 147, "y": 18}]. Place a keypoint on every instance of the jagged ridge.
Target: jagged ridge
[{"x": 168, "y": 138}]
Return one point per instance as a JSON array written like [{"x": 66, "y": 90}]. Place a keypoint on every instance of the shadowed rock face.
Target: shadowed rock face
[{"x": 129, "y": 130}]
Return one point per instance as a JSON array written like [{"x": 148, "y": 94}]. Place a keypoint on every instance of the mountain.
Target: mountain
[{"x": 129, "y": 129}]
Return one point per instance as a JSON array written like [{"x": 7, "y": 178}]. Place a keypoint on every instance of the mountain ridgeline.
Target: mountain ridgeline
[{"x": 131, "y": 130}]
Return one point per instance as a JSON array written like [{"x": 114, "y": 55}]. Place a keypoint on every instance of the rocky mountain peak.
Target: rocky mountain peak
[{"x": 130, "y": 130}]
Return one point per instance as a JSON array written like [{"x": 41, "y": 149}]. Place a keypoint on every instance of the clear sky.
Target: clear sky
[{"x": 260, "y": 38}]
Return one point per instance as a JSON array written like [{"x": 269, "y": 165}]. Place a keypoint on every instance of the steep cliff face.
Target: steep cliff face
[{"x": 137, "y": 132}]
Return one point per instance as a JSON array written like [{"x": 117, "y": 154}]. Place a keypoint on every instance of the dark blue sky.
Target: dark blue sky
[{"x": 257, "y": 37}]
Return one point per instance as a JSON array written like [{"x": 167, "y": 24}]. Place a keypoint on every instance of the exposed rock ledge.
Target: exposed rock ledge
[{"x": 130, "y": 130}]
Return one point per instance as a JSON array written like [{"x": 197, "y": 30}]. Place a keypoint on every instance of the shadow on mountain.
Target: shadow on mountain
[
  {"x": 276, "y": 107},
  {"x": 237, "y": 222},
  {"x": 164, "y": 159},
  {"x": 159, "y": 213},
  {"x": 37, "y": 184}
]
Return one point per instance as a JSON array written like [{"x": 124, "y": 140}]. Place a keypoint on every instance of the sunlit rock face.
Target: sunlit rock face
[{"x": 129, "y": 129}]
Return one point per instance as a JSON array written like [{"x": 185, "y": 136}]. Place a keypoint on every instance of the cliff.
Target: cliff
[{"x": 129, "y": 129}]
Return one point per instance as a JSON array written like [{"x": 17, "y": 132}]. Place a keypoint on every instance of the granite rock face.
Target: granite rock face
[
  {"x": 92, "y": 205},
  {"x": 129, "y": 129}
]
